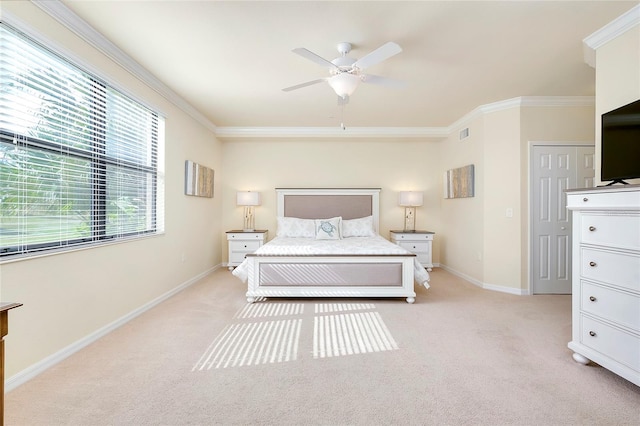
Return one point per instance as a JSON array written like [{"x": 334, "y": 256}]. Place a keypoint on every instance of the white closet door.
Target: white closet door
[{"x": 554, "y": 169}]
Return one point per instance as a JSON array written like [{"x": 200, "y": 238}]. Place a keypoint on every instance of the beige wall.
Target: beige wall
[
  {"x": 617, "y": 79},
  {"x": 501, "y": 245},
  {"x": 392, "y": 165},
  {"x": 463, "y": 218},
  {"x": 69, "y": 296},
  {"x": 479, "y": 241}
]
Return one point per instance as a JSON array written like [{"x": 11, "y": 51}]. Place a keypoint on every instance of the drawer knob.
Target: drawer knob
[
  {"x": 592, "y": 298},
  {"x": 585, "y": 199},
  {"x": 592, "y": 228},
  {"x": 592, "y": 263},
  {"x": 592, "y": 333}
]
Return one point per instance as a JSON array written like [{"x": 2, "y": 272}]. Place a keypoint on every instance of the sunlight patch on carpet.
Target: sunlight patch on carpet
[
  {"x": 261, "y": 310},
  {"x": 253, "y": 344},
  {"x": 342, "y": 307},
  {"x": 349, "y": 334}
]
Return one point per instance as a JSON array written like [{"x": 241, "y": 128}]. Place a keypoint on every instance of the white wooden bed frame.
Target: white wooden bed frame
[{"x": 300, "y": 203}]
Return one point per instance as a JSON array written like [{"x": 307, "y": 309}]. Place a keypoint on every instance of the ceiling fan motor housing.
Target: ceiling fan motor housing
[{"x": 344, "y": 64}]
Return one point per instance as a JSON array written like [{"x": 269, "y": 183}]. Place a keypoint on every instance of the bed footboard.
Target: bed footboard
[{"x": 331, "y": 276}]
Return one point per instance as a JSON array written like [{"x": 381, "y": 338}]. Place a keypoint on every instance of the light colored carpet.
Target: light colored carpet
[{"x": 459, "y": 355}]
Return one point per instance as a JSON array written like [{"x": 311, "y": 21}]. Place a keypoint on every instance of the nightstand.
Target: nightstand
[
  {"x": 241, "y": 243},
  {"x": 418, "y": 242}
]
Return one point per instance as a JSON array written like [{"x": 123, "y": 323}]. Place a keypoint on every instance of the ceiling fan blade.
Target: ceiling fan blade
[
  {"x": 301, "y": 85},
  {"x": 383, "y": 52},
  {"x": 383, "y": 81},
  {"x": 314, "y": 58}
]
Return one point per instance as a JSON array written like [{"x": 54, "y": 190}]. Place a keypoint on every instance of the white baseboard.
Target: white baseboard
[
  {"x": 48, "y": 362},
  {"x": 486, "y": 286}
]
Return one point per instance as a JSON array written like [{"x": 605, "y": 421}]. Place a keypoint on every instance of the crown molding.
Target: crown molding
[
  {"x": 520, "y": 102},
  {"x": 82, "y": 29},
  {"x": 435, "y": 133},
  {"x": 613, "y": 29},
  {"x": 332, "y": 132}
]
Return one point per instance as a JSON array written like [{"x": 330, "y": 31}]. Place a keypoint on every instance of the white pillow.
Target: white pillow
[
  {"x": 362, "y": 227},
  {"x": 328, "y": 229},
  {"x": 293, "y": 227}
]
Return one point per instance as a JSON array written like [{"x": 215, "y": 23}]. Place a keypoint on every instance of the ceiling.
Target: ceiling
[{"x": 230, "y": 59}]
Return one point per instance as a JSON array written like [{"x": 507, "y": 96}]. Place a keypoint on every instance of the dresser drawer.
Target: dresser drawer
[
  {"x": 619, "y": 230},
  {"x": 616, "y": 306},
  {"x": 610, "y": 199},
  {"x": 614, "y": 343},
  {"x": 613, "y": 267}
]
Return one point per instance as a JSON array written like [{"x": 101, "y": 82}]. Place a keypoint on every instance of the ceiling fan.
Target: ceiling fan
[{"x": 345, "y": 73}]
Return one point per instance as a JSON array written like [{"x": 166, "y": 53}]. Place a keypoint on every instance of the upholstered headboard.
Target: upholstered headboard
[{"x": 324, "y": 203}]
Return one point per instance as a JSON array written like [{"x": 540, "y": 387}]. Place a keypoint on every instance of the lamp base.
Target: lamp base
[
  {"x": 409, "y": 219},
  {"x": 249, "y": 219}
]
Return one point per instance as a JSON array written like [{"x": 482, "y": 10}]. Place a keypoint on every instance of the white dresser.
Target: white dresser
[
  {"x": 242, "y": 243},
  {"x": 418, "y": 242},
  {"x": 606, "y": 278}
]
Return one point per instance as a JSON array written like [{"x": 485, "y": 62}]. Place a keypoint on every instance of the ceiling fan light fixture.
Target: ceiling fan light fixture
[{"x": 344, "y": 84}]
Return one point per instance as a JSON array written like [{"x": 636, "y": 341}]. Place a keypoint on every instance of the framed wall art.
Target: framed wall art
[
  {"x": 198, "y": 180},
  {"x": 459, "y": 183}
]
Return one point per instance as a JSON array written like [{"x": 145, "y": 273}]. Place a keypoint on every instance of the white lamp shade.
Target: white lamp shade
[
  {"x": 410, "y": 198},
  {"x": 344, "y": 84},
  {"x": 248, "y": 198}
]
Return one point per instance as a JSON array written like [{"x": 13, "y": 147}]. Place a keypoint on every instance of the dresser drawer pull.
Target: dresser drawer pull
[
  {"x": 592, "y": 263},
  {"x": 585, "y": 199},
  {"x": 592, "y": 333},
  {"x": 592, "y": 228},
  {"x": 592, "y": 298}
]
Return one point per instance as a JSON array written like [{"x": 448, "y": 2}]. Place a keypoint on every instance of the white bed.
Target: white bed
[{"x": 360, "y": 266}]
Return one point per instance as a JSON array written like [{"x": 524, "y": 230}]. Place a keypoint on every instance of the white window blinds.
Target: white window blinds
[{"x": 78, "y": 159}]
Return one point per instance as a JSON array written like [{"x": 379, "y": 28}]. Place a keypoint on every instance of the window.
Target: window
[{"x": 79, "y": 160}]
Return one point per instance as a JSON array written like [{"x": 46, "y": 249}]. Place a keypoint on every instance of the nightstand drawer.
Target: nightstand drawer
[
  {"x": 413, "y": 237},
  {"x": 244, "y": 236},
  {"x": 414, "y": 247},
  {"x": 244, "y": 246},
  {"x": 236, "y": 257}
]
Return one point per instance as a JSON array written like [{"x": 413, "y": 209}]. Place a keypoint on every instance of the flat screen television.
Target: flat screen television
[{"x": 620, "y": 155}]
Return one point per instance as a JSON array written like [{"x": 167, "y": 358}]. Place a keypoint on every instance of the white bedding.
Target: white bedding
[{"x": 347, "y": 246}]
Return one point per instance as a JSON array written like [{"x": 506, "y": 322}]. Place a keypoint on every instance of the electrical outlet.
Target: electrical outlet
[{"x": 509, "y": 212}]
